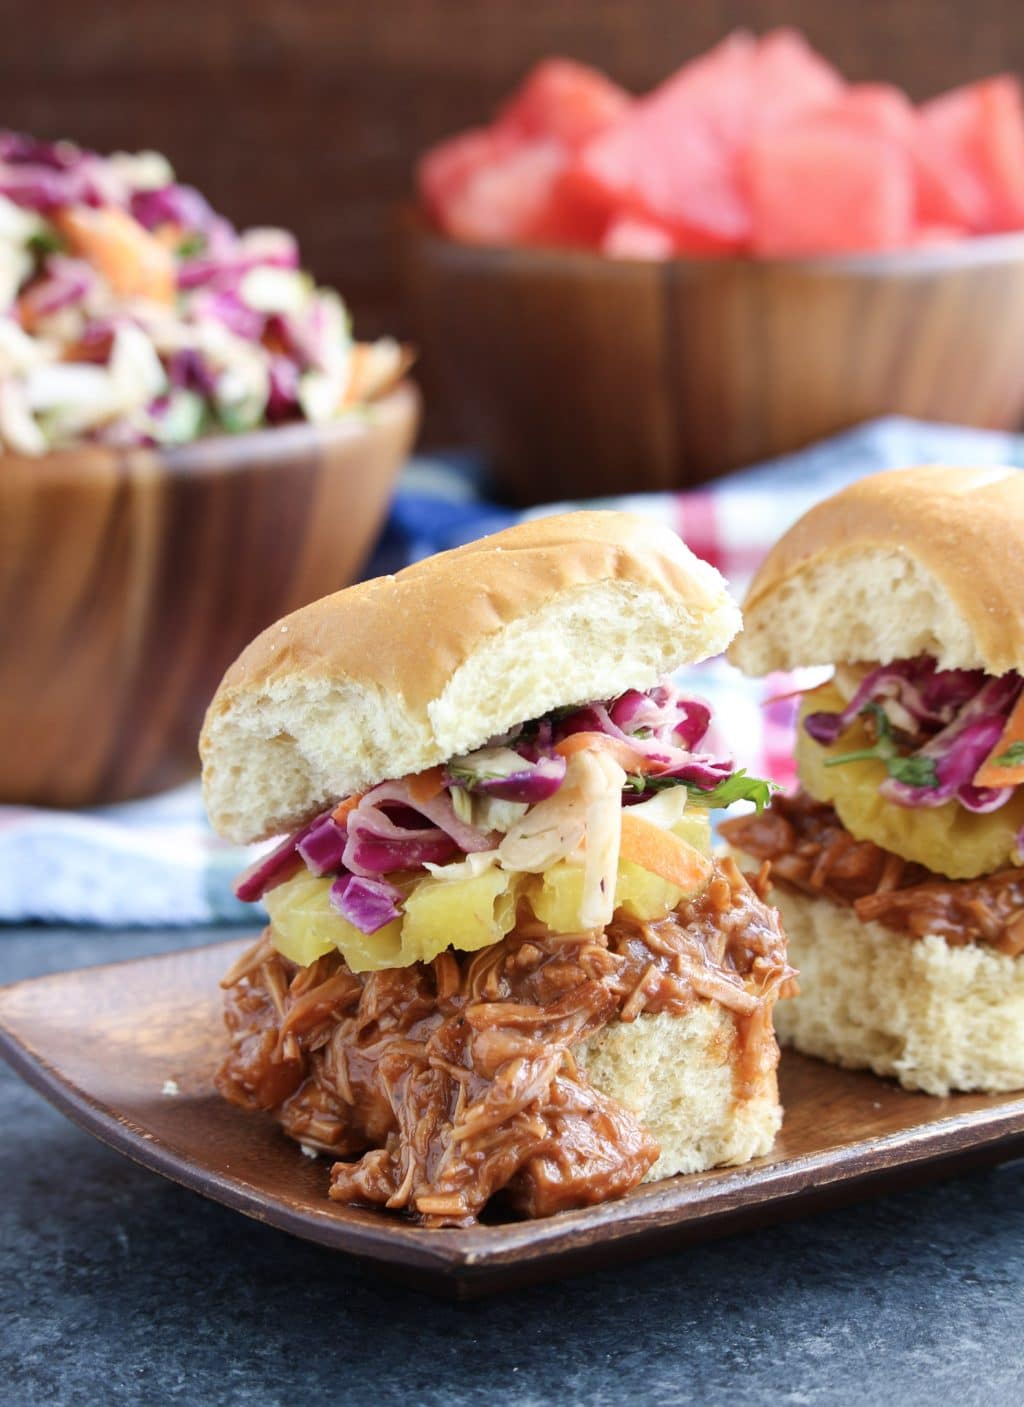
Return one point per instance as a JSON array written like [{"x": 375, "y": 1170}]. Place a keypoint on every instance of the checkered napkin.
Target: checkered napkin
[{"x": 156, "y": 861}]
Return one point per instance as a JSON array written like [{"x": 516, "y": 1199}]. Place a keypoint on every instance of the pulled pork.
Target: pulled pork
[
  {"x": 812, "y": 853},
  {"x": 455, "y": 1080}
]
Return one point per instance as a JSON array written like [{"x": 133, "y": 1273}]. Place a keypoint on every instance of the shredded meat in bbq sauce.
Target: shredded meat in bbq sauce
[
  {"x": 810, "y": 852},
  {"x": 442, "y": 1084}
]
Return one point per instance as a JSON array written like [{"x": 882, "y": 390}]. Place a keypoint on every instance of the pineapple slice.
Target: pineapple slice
[
  {"x": 949, "y": 839},
  {"x": 461, "y": 913},
  {"x": 304, "y": 926},
  {"x": 439, "y": 913},
  {"x": 468, "y": 905},
  {"x": 556, "y": 896}
]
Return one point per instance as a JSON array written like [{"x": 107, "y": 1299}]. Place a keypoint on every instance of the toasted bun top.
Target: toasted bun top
[
  {"x": 402, "y": 672},
  {"x": 904, "y": 563}
]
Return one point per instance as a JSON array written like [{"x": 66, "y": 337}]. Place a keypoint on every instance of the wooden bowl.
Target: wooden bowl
[
  {"x": 581, "y": 375},
  {"x": 129, "y": 580}
]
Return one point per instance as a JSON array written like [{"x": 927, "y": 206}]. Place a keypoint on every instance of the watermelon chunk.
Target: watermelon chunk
[
  {"x": 446, "y": 168},
  {"x": 676, "y": 158},
  {"x": 879, "y": 107},
  {"x": 508, "y": 199},
  {"x": 565, "y": 100},
  {"x": 945, "y": 195},
  {"x": 828, "y": 187},
  {"x": 671, "y": 159},
  {"x": 1001, "y": 136},
  {"x": 790, "y": 78},
  {"x": 977, "y": 133},
  {"x": 629, "y": 237},
  {"x": 521, "y": 195}
]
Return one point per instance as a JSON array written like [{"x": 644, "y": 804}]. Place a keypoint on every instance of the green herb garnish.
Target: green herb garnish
[
  {"x": 467, "y": 777},
  {"x": 192, "y": 244},
  {"x": 738, "y": 787},
  {"x": 1012, "y": 757},
  {"x": 913, "y": 770},
  {"x": 46, "y": 241}
]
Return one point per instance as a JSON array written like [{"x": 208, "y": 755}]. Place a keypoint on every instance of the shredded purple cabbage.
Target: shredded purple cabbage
[
  {"x": 172, "y": 204},
  {"x": 271, "y": 869},
  {"x": 664, "y": 726},
  {"x": 915, "y": 694},
  {"x": 367, "y": 904},
  {"x": 539, "y": 779},
  {"x": 960, "y": 749},
  {"x": 323, "y": 846},
  {"x": 947, "y": 722}
]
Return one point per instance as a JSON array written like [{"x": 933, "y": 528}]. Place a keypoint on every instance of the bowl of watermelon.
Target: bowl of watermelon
[{"x": 617, "y": 293}]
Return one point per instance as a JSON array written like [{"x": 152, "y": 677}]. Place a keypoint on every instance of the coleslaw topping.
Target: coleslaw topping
[
  {"x": 932, "y": 728},
  {"x": 551, "y": 790}
]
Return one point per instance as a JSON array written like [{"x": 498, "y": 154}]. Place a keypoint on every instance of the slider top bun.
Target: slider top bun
[
  {"x": 904, "y": 563},
  {"x": 402, "y": 672}
]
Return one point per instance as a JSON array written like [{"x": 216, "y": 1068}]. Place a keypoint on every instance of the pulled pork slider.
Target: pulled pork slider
[
  {"x": 898, "y": 863},
  {"x": 501, "y": 958}
]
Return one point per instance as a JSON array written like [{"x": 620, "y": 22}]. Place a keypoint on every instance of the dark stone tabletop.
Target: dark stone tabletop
[{"x": 119, "y": 1287}]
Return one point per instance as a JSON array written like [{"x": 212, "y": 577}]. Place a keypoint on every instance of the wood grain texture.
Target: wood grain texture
[
  {"x": 311, "y": 114},
  {"x": 101, "y": 1043},
  {"x": 130, "y": 580},
  {"x": 583, "y": 376}
]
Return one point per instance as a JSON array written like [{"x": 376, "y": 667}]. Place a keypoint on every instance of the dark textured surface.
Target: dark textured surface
[{"x": 118, "y": 1287}]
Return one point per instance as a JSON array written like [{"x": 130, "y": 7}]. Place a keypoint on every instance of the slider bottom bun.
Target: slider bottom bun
[
  {"x": 937, "y": 1018},
  {"x": 681, "y": 1076}
]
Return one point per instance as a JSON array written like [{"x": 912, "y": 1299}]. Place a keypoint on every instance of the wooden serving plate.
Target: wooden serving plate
[{"x": 128, "y": 1052}]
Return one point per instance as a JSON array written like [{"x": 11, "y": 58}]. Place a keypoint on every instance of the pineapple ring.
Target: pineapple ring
[{"x": 949, "y": 840}]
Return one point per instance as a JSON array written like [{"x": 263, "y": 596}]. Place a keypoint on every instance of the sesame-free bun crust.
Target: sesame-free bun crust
[
  {"x": 402, "y": 672},
  {"x": 908, "y": 562}
]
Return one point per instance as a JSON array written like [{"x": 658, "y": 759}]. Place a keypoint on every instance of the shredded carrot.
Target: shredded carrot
[
  {"x": 424, "y": 786},
  {"x": 629, "y": 758},
  {"x": 169, "y": 235},
  {"x": 344, "y": 807},
  {"x": 361, "y": 359},
  {"x": 994, "y": 774},
  {"x": 662, "y": 852},
  {"x": 134, "y": 262}
]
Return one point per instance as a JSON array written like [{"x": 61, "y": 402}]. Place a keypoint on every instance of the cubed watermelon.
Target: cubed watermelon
[
  {"x": 826, "y": 187},
  {"x": 977, "y": 133},
  {"x": 565, "y": 100},
  {"x": 945, "y": 195},
  {"x": 672, "y": 158},
  {"x": 629, "y": 237},
  {"x": 522, "y": 195},
  {"x": 790, "y": 78},
  {"x": 445, "y": 169},
  {"x": 880, "y": 107},
  {"x": 936, "y": 236},
  {"x": 1002, "y": 149},
  {"x": 508, "y": 199},
  {"x": 676, "y": 158}
]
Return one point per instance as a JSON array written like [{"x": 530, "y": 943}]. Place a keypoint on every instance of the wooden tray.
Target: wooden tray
[{"x": 128, "y": 1052}]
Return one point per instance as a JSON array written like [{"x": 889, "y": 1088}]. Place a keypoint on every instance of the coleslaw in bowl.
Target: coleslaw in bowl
[{"x": 132, "y": 314}]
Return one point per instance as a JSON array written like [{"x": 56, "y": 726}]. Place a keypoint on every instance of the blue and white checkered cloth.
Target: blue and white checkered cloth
[{"x": 157, "y": 862}]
